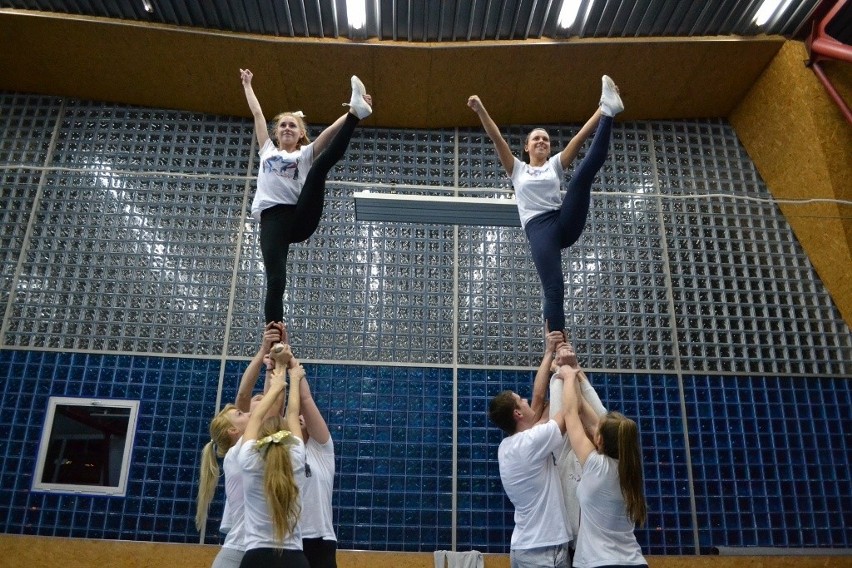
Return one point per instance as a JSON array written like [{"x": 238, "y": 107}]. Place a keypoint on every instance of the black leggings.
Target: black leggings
[
  {"x": 283, "y": 225},
  {"x": 274, "y": 558},
  {"x": 321, "y": 553},
  {"x": 555, "y": 230}
]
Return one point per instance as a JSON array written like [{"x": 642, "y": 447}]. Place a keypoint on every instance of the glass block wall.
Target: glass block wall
[{"x": 131, "y": 269}]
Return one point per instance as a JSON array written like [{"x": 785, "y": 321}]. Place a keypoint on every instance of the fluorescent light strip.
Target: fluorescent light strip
[
  {"x": 765, "y": 11},
  {"x": 435, "y": 210},
  {"x": 356, "y": 12},
  {"x": 568, "y": 13}
]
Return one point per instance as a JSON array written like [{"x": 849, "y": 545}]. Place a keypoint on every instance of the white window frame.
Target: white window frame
[{"x": 47, "y": 434}]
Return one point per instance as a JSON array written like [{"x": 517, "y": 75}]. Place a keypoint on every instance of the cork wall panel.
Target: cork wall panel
[
  {"x": 34, "y": 551},
  {"x": 800, "y": 143}
]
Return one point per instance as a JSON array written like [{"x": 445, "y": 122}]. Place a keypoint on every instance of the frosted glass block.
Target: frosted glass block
[
  {"x": 27, "y": 123},
  {"x": 737, "y": 266},
  {"x": 16, "y": 198},
  {"x": 141, "y": 243},
  {"x": 391, "y": 156},
  {"x": 357, "y": 286},
  {"x": 121, "y": 228}
]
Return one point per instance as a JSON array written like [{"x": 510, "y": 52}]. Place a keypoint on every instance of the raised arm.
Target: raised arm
[
  {"x": 542, "y": 376},
  {"x": 294, "y": 399},
  {"x": 591, "y": 407},
  {"x": 314, "y": 421},
  {"x": 268, "y": 363},
  {"x": 569, "y": 153},
  {"x": 271, "y": 334},
  {"x": 282, "y": 358},
  {"x": 500, "y": 144},
  {"x": 590, "y": 394},
  {"x": 277, "y": 384},
  {"x": 580, "y": 443},
  {"x": 260, "y": 129}
]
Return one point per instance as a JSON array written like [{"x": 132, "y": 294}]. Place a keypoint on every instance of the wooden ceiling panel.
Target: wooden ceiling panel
[{"x": 415, "y": 85}]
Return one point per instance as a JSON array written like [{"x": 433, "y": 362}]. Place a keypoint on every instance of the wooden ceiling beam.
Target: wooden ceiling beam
[{"x": 415, "y": 85}]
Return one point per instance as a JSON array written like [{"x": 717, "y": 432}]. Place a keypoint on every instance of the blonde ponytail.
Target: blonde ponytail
[
  {"x": 219, "y": 444},
  {"x": 208, "y": 478},
  {"x": 279, "y": 481}
]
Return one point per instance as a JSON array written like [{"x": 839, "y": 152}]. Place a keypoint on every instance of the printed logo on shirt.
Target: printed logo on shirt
[
  {"x": 533, "y": 171},
  {"x": 280, "y": 167}
]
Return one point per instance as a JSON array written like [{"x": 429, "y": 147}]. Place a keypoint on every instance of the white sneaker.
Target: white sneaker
[
  {"x": 610, "y": 103},
  {"x": 357, "y": 103}
]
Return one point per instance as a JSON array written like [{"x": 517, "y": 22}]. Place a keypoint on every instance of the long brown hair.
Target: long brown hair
[
  {"x": 620, "y": 441},
  {"x": 279, "y": 482},
  {"x": 219, "y": 444}
]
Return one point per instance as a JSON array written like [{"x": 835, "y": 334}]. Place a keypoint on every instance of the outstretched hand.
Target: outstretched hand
[
  {"x": 246, "y": 76},
  {"x": 568, "y": 373},
  {"x": 552, "y": 341},
  {"x": 565, "y": 355},
  {"x": 271, "y": 336},
  {"x": 277, "y": 379},
  {"x": 475, "y": 104},
  {"x": 280, "y": 356},
  {"x": 297, "y": 372}
]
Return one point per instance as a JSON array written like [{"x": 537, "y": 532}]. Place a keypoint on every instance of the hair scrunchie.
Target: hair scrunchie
[{"x": 276, "y": 438}]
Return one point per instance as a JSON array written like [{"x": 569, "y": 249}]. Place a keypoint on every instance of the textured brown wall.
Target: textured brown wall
[
  {"x": 42, "y": 552},
  {"x": 415, "y": 85},
  {"x": 802, "y": 146}
]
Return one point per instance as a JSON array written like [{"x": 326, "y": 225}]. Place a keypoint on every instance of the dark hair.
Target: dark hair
[
  {"x": 525, "y": 156},
  {"x": 501, "y": 411}
]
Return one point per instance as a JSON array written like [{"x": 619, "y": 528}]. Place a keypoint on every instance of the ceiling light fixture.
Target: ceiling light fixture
[
  {"x": 356, "y": 11},
  {"x": 765, "y": 11},
  {"x": 148, "y": 6},
  {"x": 568, "y": 13}
]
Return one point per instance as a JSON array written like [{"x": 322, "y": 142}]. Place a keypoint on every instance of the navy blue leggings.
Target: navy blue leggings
[
  {"x": 283, "y": 225},
  {"x": 555, "y": 230}
]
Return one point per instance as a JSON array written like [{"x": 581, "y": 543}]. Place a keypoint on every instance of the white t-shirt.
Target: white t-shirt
[
  {"x": 258, "y": 522},
  {"x": 233, "y": 518},
  {"x": 225, "y": 523},
  {"x": 606, "y": 533},
  {"x": 531, "y": 481},
  {"x": 317, "y": 490},
  {"x": 280, "y": 176},
  {"x": 537, "y": 188}
]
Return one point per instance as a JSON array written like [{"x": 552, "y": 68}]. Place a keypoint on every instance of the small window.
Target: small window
[{"x": 85, "y": 446}]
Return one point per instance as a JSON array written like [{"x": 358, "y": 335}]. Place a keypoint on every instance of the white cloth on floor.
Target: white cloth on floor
[{"x": 449, "y": 559}]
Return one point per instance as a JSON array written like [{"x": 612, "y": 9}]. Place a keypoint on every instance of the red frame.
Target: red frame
[{"x": 822, "y": 47}]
